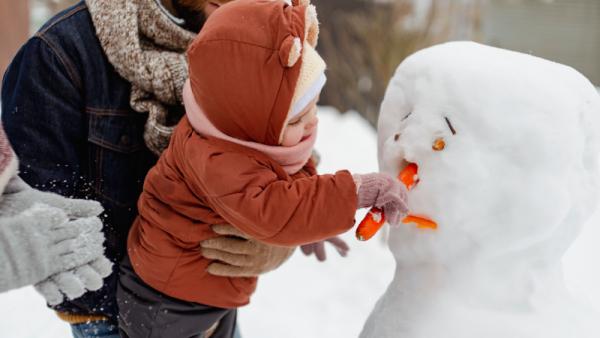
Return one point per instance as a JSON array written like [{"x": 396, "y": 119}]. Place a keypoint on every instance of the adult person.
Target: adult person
[
  {"x": 88, "y": 104},
  {"x": 47, "y": 239}
]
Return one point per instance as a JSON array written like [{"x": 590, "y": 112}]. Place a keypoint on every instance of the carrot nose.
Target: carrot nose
[
  {"x": 409, "y": 175},
  {"x": 376, "y": 217}
]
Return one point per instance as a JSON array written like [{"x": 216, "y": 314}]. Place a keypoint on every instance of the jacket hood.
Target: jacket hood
[{"x": 245, "y": 63}]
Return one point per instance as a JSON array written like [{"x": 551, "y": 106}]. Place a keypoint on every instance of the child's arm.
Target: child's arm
[{"x": 250, "y": 196}]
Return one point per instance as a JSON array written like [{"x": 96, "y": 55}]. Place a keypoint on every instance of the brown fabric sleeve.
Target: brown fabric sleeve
[{"x": 251, "y": 197}]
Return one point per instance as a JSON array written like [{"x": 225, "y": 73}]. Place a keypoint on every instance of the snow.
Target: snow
[
  {"x": 510, "y": 192},
  {"x": 305, "y": 298}
]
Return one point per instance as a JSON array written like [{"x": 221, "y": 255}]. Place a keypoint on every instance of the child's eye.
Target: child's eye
[{"x": 294, "y": 123}]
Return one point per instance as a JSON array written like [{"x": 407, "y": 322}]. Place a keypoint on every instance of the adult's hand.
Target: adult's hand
[
  {"x": 42, "y": 241},
  {"x": 74, "y": 283},
  {"x": 318, "y": 248},
  {"x": 238, "y": 255},
  {"x": 19, "y": 196}
]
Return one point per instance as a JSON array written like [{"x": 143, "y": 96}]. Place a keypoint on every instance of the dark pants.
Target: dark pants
[{"x": 147, "y": 313}]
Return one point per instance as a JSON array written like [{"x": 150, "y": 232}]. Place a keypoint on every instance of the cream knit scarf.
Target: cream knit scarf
[{"x": 147, "y": 49}]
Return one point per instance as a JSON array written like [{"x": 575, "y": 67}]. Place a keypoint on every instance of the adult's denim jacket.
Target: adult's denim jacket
[{"x": 66, "y": 112}]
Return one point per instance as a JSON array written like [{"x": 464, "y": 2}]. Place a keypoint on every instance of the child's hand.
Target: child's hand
[
  {"x": 385, "y": 192},
  {"x": 318, "y": 248}
]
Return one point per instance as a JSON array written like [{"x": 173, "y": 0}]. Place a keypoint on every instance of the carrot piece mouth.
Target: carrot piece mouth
[
  {"x": 421, "y": 222},
  {"x": 375, "y": 219},
  {"x": 410, "y": 177}
]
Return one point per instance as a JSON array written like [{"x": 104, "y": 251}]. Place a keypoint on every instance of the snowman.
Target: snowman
[{"x": 506, "y": 145}]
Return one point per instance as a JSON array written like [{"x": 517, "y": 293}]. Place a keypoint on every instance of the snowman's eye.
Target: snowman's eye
[
  {"x": 439, "y": 144},
  {"x": 407, "y": 115}
]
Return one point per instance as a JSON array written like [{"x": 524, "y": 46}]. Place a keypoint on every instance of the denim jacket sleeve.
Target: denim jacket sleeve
[{"x": 43, "y": 115}]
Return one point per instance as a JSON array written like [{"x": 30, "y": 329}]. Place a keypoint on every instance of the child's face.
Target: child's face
[{"x": 302, "y": 126}]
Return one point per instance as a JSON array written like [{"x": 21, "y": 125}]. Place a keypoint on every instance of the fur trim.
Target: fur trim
[
  {"x": 301, "y": 2},
  {"x": 311, "y": 24},
  {"x": 295, "y": 52}
]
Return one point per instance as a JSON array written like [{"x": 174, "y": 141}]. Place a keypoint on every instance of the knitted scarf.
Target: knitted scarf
[
  {"x": 291, "y": 159},
  {"x": 8, "y": 161},
  {"x": 147, "y": 48}
]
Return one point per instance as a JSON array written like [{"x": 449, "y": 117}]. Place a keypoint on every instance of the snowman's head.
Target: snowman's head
[{"x": 519, "y": 170}]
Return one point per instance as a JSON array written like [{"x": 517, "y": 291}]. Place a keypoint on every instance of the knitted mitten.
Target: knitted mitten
[
  {"x": 41, "y": 241},
  {"x": 75, "y": 282},
  {"x": 385, "y": 192},
  {"x": 19, "y": 196}
]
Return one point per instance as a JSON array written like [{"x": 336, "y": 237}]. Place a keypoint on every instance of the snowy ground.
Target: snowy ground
[{"x": 306, "y": 298}]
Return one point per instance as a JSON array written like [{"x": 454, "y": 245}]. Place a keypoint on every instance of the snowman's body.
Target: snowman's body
[{"x": 517, "y": 179}]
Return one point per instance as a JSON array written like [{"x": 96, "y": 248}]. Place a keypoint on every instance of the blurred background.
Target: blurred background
[{"x": 363, "y": 41}]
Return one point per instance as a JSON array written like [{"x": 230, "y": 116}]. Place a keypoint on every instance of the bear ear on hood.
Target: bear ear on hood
[
  {"x": 291, "y": 48},
  {"x": 290, "y": 51},
  {"x": 311, "y": 24},
  {"x": 310, "y": 21}
]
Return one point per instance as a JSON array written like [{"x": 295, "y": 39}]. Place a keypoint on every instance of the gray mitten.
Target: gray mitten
[
  {"x": 19, "y": 196},
  {"x": 41, "y": 241},
  {"x": 75, "y": 282}
]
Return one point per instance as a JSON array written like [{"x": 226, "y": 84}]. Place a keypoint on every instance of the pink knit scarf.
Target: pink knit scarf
[{"x": 292, "y": 159}]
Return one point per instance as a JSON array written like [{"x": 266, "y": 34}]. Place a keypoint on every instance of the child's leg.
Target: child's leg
[
  {"x": 145, "y": 312},
  {"x": 227, "y": 327}
]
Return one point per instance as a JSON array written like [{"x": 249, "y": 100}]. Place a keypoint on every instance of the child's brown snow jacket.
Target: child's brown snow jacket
[
  {"x": 199, "y": 182},
  {"x": 238, "y": 76}
]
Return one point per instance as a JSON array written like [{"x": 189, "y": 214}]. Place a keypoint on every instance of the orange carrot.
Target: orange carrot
[
  {"x": 409, "y": 176},
  {"x": 375, "y": 219},
  {"x": 370, "y": 224},
  {"x": 422, "y": 223}
]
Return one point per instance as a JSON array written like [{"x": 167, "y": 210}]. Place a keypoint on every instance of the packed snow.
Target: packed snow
[
  {"x": 305, "y": 298},
  {"x": 517, "y": 180}
]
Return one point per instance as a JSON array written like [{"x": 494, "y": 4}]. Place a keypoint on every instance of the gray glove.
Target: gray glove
[
  {"x": 75, "y": 282},
  {"x": 42, "y": 241},
  {"x": 19, "y": 196}
]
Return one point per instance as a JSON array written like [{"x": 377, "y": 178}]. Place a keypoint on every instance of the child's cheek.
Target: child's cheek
[{"x": 292, "y": 136}]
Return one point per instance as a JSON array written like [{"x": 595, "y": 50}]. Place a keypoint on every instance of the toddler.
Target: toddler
[{"x": 242, "y": 156}]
